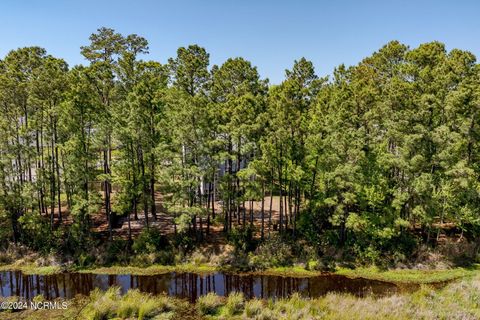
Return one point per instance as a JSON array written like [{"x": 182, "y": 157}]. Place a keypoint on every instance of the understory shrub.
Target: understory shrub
[
  {"x": 242, "y": 239},
  {"x": 116, "y": 251},
  {"x": 235, "y": 261},
  {"x": 150, "y": 240},
  {"x": 38, "y": 235},
  {"x": 274, "y": 252},
  {"x": 382, "y": 251}
]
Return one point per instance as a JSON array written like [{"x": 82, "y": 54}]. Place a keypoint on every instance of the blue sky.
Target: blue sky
[{"x": 271, "y": 34}]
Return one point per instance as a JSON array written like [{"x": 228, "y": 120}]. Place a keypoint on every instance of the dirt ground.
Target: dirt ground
[{"x": 165, "y": 222}]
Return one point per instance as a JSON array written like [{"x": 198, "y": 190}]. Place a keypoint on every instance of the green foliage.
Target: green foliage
[
  {"x": 373, "y": 160},
  {"x": 183, "y": 242},
  {"x": 5, "y": 229},
  {"x": 242, "y": 239},
  {"x": 274, "y": 252},
  {"x": 150, "y": 241},
  {"x": 116, "y": 251},
  {"x": 37, "y": 234}
]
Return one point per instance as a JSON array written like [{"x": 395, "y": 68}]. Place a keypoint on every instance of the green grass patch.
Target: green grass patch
[
  {"x": 289, "y": 272},
  {"x": 32, "y": 269},
  {"x": 151, "y": 270},
  {"x": 410, "y": 275},
  {"x": 407, "y": 276}
]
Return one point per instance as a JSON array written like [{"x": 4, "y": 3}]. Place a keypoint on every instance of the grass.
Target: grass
[
  {"x": 457, "y": 300},
  {"x": 209, "y": 304},
  {"x": 151, "y": 270},
  {"x": 196, "y": 268},
  {"x": 290, "y": 272},
  {"x": 406, "y": 276},
  {"x": 402, "y": 276},
  {"x": 32, "y": 269},
  {"x": 410, "y": 275}
]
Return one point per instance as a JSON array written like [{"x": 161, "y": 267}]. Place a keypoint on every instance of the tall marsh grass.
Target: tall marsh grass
[{"x": 133, "y": 305}]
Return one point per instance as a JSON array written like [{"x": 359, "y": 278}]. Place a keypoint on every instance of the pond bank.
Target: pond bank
[
  {"x": 456, "y": 301},
  {"x": 406, "y": 276}
]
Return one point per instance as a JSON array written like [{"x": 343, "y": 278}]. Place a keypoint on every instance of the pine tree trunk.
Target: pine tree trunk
[
  {"x": 134, "y": 182},
  {"x": 152, "y": 188},
  {"x": 262, "y": 232},
  {"x": 106, "y": 193},
  {"x": 213, "y": 196},
  {"x": 57, "y": 166},
  {"x": 52, "y": 182},
  {"x": 312, "y": 184},
  {"x": 271, "y": 206},
  {"x": 230, "y": 178},
  {"x": 281, "y": 193},
  {"x": 152, "y": 163},
  {"x": 209, "y": 201},
  {"x": 144, "y": 183}
]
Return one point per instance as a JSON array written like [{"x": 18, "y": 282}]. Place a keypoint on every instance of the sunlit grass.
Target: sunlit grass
[
  {"x": 32, "y": 269},
  {"x": 209, "y": 304},
  {"x": 150, "y": 270},
  {"x": 290, "y": 272},
  {"x": 133, "y": 305},
  {"x": 374, "y": 273},
  {"x": 410, "y": 275}
]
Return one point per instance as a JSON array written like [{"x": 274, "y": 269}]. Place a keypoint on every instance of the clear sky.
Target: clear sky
[{"x": 271, "y": 34}]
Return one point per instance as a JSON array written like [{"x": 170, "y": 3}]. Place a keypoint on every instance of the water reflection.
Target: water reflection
[{"x": 187, "y": 285}]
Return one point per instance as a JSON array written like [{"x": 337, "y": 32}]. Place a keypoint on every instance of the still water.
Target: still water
[{"x": 188, "y": 285}]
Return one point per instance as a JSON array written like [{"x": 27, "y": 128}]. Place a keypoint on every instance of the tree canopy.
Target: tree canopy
[{"x": 379, "y": 153}]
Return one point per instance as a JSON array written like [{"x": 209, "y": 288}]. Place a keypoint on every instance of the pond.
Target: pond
[{"x": 189, "y": 285}]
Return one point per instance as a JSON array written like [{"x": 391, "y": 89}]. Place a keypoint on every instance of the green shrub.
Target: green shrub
[
  {"x": 369, "y": 255},
  {"x": 117, "y": 251},
  {"x": 37, "y": 234},
  {"x": 242, "y": 239},
  {"x": 6, "y": 233},
  {"x": 85, "y": 260},
  {"x": 274, "y": 252},
  {"x": 235, "y": 261},
  {"x": 184, "y": 242},
  {"x": 381, "y": 251},
  {"x": 150, "y": 241},
  {"x": 325, "y": 263},
  {"x": 164, "y": 257}
]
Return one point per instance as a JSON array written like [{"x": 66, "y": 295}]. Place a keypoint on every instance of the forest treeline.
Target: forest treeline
[{"x": 368, "y": 158}]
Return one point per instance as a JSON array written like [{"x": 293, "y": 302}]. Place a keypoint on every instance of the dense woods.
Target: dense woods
[{"x": 379, "y": 157}]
